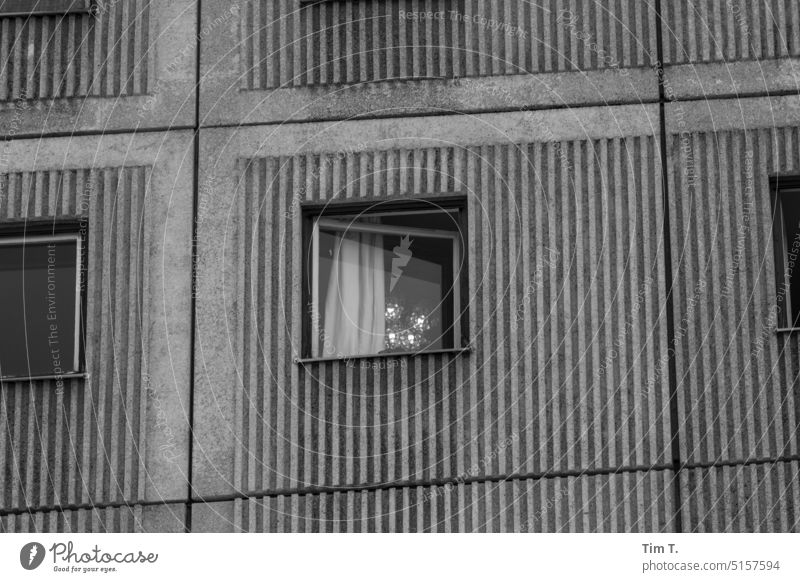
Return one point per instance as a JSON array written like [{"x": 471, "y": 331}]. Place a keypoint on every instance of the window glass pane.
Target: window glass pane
[
  {"x": 37, "y": 308},
  {"x": 790, "y": 299},
  {"x": 386, "y": 283}
]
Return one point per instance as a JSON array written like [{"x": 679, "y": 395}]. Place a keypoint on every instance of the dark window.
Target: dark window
[
  {"x": 385, "y": 278},
  {"x": 44, "y": 7},
  {"x": 786, "y": 229},
  {"x": 40, "y": 304}
]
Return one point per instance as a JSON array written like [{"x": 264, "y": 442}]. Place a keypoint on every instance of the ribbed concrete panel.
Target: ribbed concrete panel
[
  {"x": 737, "y": 377},
  {"x": 696, "y": 31},
  {"x": 84, "y": 443},
  {"x": 742, "y": 498},
  {"x": 76, "y": 55},
  {"x": 167, "y": 518},
  {"x": 565, "y": 282},
  {"x": 626, "y": 502},
  {"x": 110, "y": 520},
  {"x": 287, "y": 44}
]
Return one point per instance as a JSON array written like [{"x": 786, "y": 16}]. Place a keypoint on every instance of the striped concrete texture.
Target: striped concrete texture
[
  {"x": 750, "y": 498},
  {"x": 167, "y": 518},
  {"x": 117, "y": 520},
  {"x": 77, "y": 55},
  {"x": 285, "y": 44},
  {"x": 739, "y": 395},
  {"x": 696, "y": 31},
  {"x": 626, "y": 502},
  {"x": 566, "y": 323},
  {"x": 85, "y": 443}
]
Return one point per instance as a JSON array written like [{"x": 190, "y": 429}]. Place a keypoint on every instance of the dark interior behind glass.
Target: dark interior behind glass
[
  {"x": 420, "y": 309},
  {"x": 37, "y": 308},
  {"x": 790, "y": 210}
]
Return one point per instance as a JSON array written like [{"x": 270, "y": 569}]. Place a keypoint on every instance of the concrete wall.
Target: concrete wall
[
  {"x": 121, "y": 435},
  {"x": 537, "y": 393},
  {"x": 107, "y": 451},
  {"x": 626, "y": 502},
  {"x": 591, "y": 399},
  {"x": 161, "y": 518},
  {"x": 280, "y": 61},
  {"x": 130, "y": 67}
]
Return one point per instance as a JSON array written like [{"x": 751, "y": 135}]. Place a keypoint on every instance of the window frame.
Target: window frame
[
  {"x": 47, "y": 8},
  {"x": 778, "y": 185},
  {"x": 314, "y": 212},
  {"x": 46, "y": 230}
]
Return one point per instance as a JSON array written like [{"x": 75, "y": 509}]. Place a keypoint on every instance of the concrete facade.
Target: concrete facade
[{"x": 624, "y": 373}]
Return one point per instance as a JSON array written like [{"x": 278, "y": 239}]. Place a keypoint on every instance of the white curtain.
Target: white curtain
[{"x": 355, "y": 303}]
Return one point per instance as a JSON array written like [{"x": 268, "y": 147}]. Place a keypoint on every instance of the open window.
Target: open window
[
  {"x": 386, "y": 278},
  {"x": 786, "y": 232},
  {"x": 45, "y": 7},
  {"x": 40, "y": 303}
]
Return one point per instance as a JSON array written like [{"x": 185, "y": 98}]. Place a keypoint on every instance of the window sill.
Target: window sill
[
  {"x": 71, "y": 376},
  {"x": 386, "y": 356}
]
